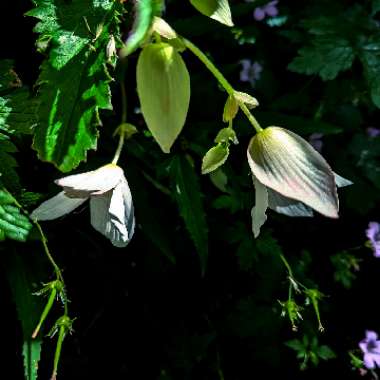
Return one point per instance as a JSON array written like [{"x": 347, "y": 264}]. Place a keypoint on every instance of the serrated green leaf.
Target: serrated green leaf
[
  {"x": 13, "y": 224},
  {"x": 327, "y": 57},
  {"x": 17, "y": 112},
  {"x": 325, "y": 353},
  {"x": 188, "y": 196},
  {"x": 215, "y": 158},
  {"x": 65, "y": 25},
  {"x": 163, "y": 87},
  {"x": 218, "y": 10},
  {"x": 370, "y": 58},
  {"x": 17, "y": 116},
  {"x": 8, "y": 174},
  {"x": 23, "y": 277},
  {"x": 68, "y": 110},
  {"x": 145, "y": 11}
]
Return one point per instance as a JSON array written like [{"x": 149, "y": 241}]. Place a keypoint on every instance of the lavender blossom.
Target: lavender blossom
[
  {"x": 370, "y": 346},
  {"x": 269, "y": 9},
  {"x": 373, "y": 234},
  {"x": 250, "y": 72},
  {"x": 373, "y": 132}
]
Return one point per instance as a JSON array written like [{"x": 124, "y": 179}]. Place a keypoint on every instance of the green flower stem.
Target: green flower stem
[
  {"x": 57, "y": 355},
  {"x": 45, "y": 313},
  {"x": 123, "y": 121},
  {"x": 287, "y": 265},
  {"x": 47, "y": 252},
  {"x": 222, "y": 80},
  {"x": 119, "y": 147}
]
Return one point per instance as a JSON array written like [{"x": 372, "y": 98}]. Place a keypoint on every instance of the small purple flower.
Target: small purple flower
[
  {"x": 250, "y": 72},
  {"x": 315, "y": 139},
  {"x": 373, "y": 132},
  {"x": 371, "y": 350},
  {"x": 373, "y": 234},
  {"x": 269, "y": 9}
]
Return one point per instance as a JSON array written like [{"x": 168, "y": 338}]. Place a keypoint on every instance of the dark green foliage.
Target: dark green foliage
[
  {"x": 194, "y": 295},
  {"x": 13, "y": 224},
  {"x": 23, "y": 276},
  {"x": 186, "y": 191},
  {"x": 74, "y": 81}
]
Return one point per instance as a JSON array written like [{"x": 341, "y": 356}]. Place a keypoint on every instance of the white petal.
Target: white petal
[
  {"x": 94, "y": 182},
  {"x": 287, "y": 206},
  {"x": 258, "y": 212},
  {"x": 112, "y": 214},
  {"x": 288, "y": 164},
  {"x": 342, "y": 182},
  {"x": 55, "y": 207}
]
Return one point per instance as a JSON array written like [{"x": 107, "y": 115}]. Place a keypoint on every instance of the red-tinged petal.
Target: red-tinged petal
[{"x": 286, "y": 163}]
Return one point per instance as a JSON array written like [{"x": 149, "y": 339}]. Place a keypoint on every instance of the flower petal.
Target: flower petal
[
  {"x": 369, "y": 361},
  {"x": 112, "y": 214},
  {"x": 370, "y": 335},
  {"x": 258, "y": 212},
  {"x": 287, "y": 206},
  {"x": 342, "y": 182},
  {"x": 94, "y": 182},
  {"x": 259, "y": 14},
  {"x": 288, "y": 164},
  {"x": 57, "y": 206}
]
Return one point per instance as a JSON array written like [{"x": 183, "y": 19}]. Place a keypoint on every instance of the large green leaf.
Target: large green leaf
[
  {"x": 188, "y": 195},
  {"x": 327, "y": 57},
  {"x": 17, "y": 112},
  {"x": 163, "y": 86},
  {"x": 23, "y": 277},
  {"x": 13, "y": 224},
  {"x": 69, "y": 26},
  {"x": 218, "y": 10},
  {"x": 74, "y": 81}
]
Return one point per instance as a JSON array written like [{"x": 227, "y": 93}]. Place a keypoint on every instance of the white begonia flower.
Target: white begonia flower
[
  {"x": 290, "y": 177},
  {"x": 111, "y": 204}
]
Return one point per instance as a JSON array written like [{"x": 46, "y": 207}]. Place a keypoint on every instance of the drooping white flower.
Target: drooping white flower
[
  {"x": 290, "y": 177},
  {"x": 111, "y": 205}
]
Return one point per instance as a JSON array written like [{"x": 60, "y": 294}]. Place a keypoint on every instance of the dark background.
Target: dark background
[{"x": 139, "y": 315}]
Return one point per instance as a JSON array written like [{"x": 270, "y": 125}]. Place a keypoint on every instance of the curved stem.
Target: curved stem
[
  {"x": 123, "y": 101},
  {"x": 57, "y": 269},
  {"x": 57, "y": 355},
  {"x": 205, "y": 60},
  {"x": 123, "y": 121},
  {"x": 119, "y": 147},
  {"x": 222, "y": 80}
]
